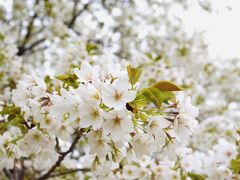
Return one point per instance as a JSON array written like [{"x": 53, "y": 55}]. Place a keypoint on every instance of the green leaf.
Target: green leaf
[
  {"x": 13, "y": 118},
  {"x": 91, "y": 48},
  {"x": 48, "y": 8},
  {"x": 47, "y": 79},
  {"x": 2, "y": 37},
  {"x": 105, "y": 108},
  {"x": 140, "y": 100},
  {"x": 1, "y": 76},
  {"x": 70, "y": 80},
  {"x": 2, "y": 59},
  {"x": 235, "y": 165},
  {"x": 143, "y": 117},
  {"x": 154, "y": 57},
  {"x": 167, "y": 86},
  {"x": 196, "y": 176},
  {"x": 167, "y": 95},
  {"x": 134, "y": 74},
  {"x": 153, "y": 95},
  {"x": 183, "y": 51},
  {"x": 10, "y": 110}
]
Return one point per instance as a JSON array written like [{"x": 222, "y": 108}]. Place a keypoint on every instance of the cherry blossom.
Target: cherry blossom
[
  {"x": 116, "y": 95},
  {"x": 117, "y": 124}
]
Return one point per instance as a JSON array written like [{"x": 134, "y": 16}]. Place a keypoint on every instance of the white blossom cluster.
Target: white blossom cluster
[
  {"x": 69, "y": 108},
  {"x": 98, "y": 111}
]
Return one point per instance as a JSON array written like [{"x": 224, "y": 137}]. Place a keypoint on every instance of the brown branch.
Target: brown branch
[
  {"x": 62, "y": 156},
  {"x": 58, "y": 149},
  {"x": 23, "y": 169},
  {"x": 30, "y": 26},
  {"x": 75, "y": 14},
  {"x": 22, "y": 49},
  {"x": 7, "y": 173},
  {"x": 29, "y": 30},
  {"x": 70, "y": 171},
  {"x": 26, "y": 124},
  {"x": 71, "y": 22},
  {"x": 17, "y": 173},
  {"x": 35, "y": 43}
]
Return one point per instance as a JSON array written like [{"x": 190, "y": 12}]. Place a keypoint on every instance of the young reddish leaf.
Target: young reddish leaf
[{"x": 167, "y": 86}]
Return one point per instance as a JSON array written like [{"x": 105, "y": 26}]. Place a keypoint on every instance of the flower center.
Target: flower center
[
  {"x": 228, "y": 154},
  {"x": 36, "y": 137},
  {"x": 89, "y": 77},
  {"x": 95, "y": 113},
  {"x": 118, "y": 95},
  {"x": 48, "y": 121},
  {"x": 117, "y": 120},
  {"x": 96, "y": 96},
  {"x": 129, "y": 172},
  {"x": 63, "y": 128}
]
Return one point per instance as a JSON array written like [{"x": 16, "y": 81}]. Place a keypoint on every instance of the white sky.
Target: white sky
[{"x": 222, "y": 26}]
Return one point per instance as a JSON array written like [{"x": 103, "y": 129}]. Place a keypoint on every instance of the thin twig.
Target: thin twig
[
  {"x": 26, "y": 124},
  {"x": 61, "y": 157},
  {"x": 35, "y": 43},
  {"x": 75, "y": 14},
  {"x": 29, "y": 30},
  {"x": 70, "y": 171},
  {"x": 22, "y": 48}
]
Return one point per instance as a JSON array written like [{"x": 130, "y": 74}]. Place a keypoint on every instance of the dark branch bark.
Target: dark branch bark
[
  {"x": 17, "y": 173},
  {"x": 35, "y": 43},
  {"x": 75, "y": 14},
  {"x": 22, "y": 50},
  {"x": 26, "y": 125},
  {"x": 7, "y": 173},
  {"x": 69, "y": 172},
  {"x": 61, "y": 157}
]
